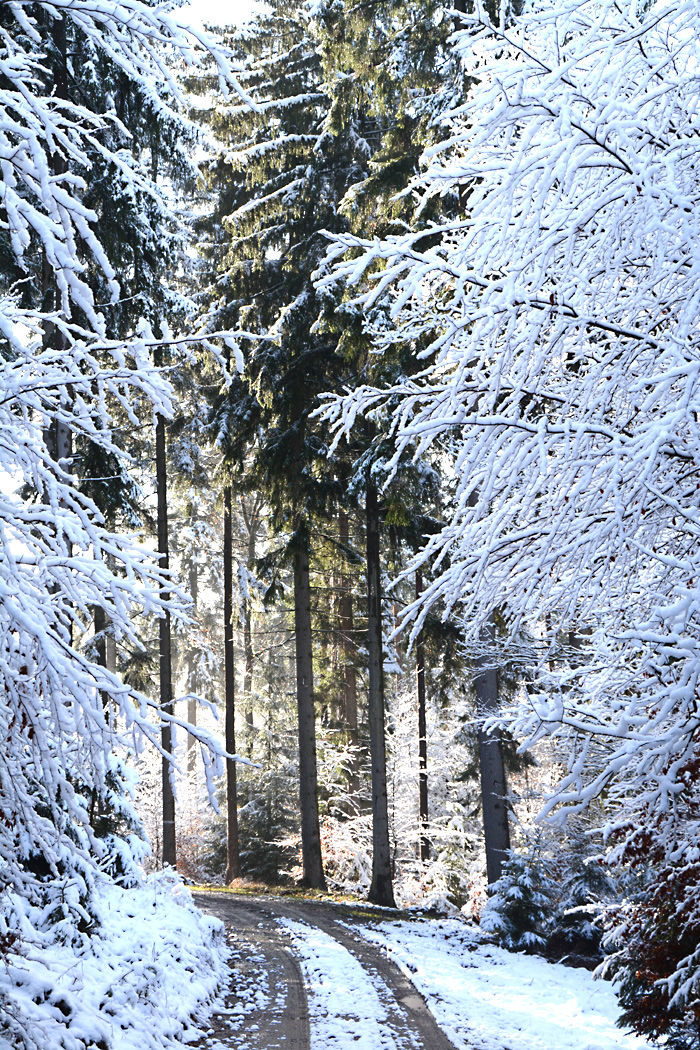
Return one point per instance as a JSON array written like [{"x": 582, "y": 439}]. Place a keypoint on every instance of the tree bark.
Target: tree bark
[
  {"x": 312, "y": 861},
  {"x": 165, "y": 653},
  {"x": 99, "y": 620},
  {"x": 381, "y": 890},
  {"x": 251, "y": 518},
  {"x": 424, "y": 841},
  {"x": 192, "y": 680},
  {"x": 347, "y": 630},
  {"x": 492, "y": 768},
  {"x": 233, "y": 862}
]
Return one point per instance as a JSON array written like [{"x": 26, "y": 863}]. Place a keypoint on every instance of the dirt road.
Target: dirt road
[{"x": 268, "y": 1006}]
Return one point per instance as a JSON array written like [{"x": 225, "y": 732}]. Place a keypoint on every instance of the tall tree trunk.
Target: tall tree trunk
[
  {"x": 424, "y": 841},
  {"x": 165, "y": 653},
  {"x": 492, "y": 768},
  {"x": 312, "y": 861},
  {"x": 99, "y": 621},
  {"x": 251, "y": 518},
  {"x": 233, "y": 863},
  {"x": 248, "y": 668},
  {"x": 347, "y": 629},
  {"x": 381, "y": 891},
  {"x": 192, "y": 680}
]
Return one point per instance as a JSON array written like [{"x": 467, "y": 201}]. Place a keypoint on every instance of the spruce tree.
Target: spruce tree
[
  {"x": 404, "y": 73},
  {"x": 281, "y": 182}
]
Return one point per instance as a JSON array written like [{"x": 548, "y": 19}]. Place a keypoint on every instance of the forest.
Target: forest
[{"x": 350, "y": 482}]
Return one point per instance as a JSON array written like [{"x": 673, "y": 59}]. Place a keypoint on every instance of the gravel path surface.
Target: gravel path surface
[
  {"x": 265, "y": 1006},
  {"x": 409, "y": 1023}
]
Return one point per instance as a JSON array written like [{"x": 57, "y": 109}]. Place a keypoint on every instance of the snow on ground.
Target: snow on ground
[
  {"x": 485, "y": 998},
  {"x": 136, "y": 984},
  {"x": 346, "y": 1011}
]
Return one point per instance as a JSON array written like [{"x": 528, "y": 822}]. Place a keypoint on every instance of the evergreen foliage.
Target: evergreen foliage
[
  {"x": 70, "y": 378},
  {"x": 552, "y": 899},
  {"x": 520, "y": 904},
  {"x": 585, "y": 893},
  {"x": 654, "y": 935}
]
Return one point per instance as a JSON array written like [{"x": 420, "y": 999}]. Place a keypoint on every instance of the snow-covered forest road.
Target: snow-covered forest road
[{"x": 359, "y": 997}]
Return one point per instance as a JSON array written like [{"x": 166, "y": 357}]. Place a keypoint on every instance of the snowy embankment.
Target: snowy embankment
[
  {"x": 138, "y": 983},
  {"x": 485, "y": 998}
]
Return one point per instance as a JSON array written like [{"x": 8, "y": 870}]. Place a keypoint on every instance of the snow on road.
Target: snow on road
[
  {"x": 347, "y": 1005},
  {"x": 481, "y": 996},
  {"x": 235, "y": 1024},
  {"x": 485, "y": 998}
]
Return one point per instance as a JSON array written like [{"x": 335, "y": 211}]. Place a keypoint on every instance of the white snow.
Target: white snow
[
  {"x": 483, "y": 997},
  {"x": 486, "y": 998},
  {"x": 139, "y": 983},
  {"x": 345, "y": 1003}
]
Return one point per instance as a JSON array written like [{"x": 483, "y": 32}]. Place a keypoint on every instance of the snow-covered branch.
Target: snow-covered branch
[{"x": 555, "y": 319}]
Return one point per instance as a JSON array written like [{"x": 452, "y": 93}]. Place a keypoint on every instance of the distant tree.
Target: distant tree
[
  {"x": 233, "y": 863},
  {"x": 279, "y": 185}
]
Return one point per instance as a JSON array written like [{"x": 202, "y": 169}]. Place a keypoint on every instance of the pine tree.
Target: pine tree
[{"x": 521, "y": 903}]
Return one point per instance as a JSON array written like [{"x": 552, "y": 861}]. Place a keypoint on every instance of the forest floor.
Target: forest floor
[{"x": 313, "y": 975}]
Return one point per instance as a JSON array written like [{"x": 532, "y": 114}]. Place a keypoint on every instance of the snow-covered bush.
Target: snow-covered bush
[
  {"x": 654, "y": 935},
  {"x": 347, "y": 853},
  {"x": 585, "y": 890},
  {"x": 453, "y": 877},
  {"x": 148, "y": 971},
  {"x": 552, "y": 899}
]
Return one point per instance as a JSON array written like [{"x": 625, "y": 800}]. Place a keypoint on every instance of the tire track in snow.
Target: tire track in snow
[
  {"x": 347, "y": 1010},
  {"x": 409, "y": 1012}
]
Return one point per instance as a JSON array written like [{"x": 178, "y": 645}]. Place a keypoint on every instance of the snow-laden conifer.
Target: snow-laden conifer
[{"x": 67, "y": 373}]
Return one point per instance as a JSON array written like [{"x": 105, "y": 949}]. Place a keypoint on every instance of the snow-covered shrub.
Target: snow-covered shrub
[
  {"x": 267, "y": 847},
  {"x": 655, "y": 963},
  {"x": 347, "y": 853},
  {"x": 147, "y": 972},
  {"x": 551, "y": 899},
  {"x": 452, "y": 873},
  {"x": 521, "y": 904},
  {"x": 654, "y": 935}
]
